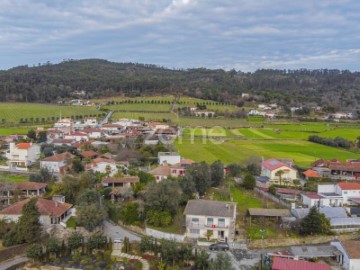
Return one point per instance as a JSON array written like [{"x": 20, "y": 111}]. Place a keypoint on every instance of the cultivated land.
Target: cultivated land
[
  {"x": 12, "y": 113},
  {"x": 234, "y": 139}
]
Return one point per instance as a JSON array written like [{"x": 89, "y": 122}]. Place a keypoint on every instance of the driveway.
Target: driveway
[
  {"x": 116, "y": 232},
  {"x": 12, "y": 262}
]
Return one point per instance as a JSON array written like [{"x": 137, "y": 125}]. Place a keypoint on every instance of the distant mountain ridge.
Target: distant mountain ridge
[{"x": 50, "y": 82}]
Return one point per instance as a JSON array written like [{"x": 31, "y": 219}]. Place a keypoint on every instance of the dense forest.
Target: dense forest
[{"x": 99, "y": 78}]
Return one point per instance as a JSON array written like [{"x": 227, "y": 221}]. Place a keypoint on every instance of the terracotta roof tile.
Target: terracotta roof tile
[
  {"x": 311, "y": 174},
  {"x": 59, "y": 157},
  {"x": 352, "y": 248},
  {"x": 23, "y": 145},
  {"x": 88, "y": 153},
  {"x": 46, "y": 207},
  {"x": 161, "y": 170},
  {"x": 30, "y": 185},
  {"x": 349, "y": 185}
]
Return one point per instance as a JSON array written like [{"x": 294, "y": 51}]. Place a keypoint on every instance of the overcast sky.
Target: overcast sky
[{"x": 241, "y": 34}]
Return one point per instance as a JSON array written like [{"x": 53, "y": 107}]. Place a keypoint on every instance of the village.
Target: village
[{"x": 85, "y": 174}]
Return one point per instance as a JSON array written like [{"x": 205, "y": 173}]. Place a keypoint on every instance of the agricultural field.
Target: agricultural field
[
  {"x": 34, "y": 112},
  {"x": 231, "y": 150},
  {"x": 10, "y": 131}
]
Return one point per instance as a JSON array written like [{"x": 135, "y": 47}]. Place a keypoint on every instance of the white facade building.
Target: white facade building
[
  {"x": 22, "y": 155},
  {"x": 210, "y": 219},
  {"x": 169, "y": 158}
]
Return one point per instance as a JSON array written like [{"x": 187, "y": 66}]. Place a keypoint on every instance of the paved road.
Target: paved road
[
  {"x": 116, "y": 232},
  {"x": 15, "y": 261},
  {"x": 106, "y": 119}
]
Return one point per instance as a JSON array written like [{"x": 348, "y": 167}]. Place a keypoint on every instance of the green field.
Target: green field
[
  {"x": 9, "y": 131},
  {"x": 236, "y": 150},
  {"x": 14, "y": 178},
  {"x": 38, "y": 113}
]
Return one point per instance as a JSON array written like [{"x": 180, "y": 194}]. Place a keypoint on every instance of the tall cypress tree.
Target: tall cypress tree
[{"x": 29, "y": 228}]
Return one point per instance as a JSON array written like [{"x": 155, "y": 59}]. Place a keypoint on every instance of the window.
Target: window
[
  {"x": 210, "y": 221},
  {"x": 345, "y": 192},
  {"x": 221, "y": 222},
  {"x": 195, "y": 220},
  {"x": 194, "y": 231}
]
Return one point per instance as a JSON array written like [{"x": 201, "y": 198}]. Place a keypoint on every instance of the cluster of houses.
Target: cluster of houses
[{"x": 265, "y": 110}]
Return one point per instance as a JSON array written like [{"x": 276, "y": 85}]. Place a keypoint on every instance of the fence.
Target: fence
[
  {"x": 163, "y": 235},
  {"x": 272, "y": 198}
]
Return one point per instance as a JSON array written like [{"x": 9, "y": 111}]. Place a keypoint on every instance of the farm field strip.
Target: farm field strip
[
  {"x": 13, "y": 112},
  {"x": 302, "y": 152}
]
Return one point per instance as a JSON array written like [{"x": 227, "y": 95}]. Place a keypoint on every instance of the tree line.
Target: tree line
[{"x": 99, "y": 78}]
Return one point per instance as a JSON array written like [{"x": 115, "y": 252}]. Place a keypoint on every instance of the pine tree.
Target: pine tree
[{"x": 28, "y": 229}]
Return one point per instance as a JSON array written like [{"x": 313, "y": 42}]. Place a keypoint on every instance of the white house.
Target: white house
[
  {"x": 278, "y": 171},
  {"x": 169, "y": 158},
  {"x": 22, "y": 155},
  {"x": 340, "y": 193},
  {"x": 350, "y": 250},
  {"x": 210, "y": 219},
  {"x": 56, "y": 163},
  {"x": 313, "y": 199},
  {"x": 103, "y": 165},
  {"x": 78, "y": 136},
  {"x": 63, "y": 123},
  {"x": 94, "y": 133},
  {"x": 51, "y": 211},
  {"x": 91, "y": 122}
]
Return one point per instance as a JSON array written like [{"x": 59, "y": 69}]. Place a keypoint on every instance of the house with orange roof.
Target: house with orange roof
[
  {"x": 51, "y": 211},
  {"x": 22, "y": 155},
  {"x": 311, "y": 174},
  {"x": 56, "y": 163},
  {"x": 165, "y": 170},
  {"x": 339, "y": 194},
  {"x": 89, "y": 154}
]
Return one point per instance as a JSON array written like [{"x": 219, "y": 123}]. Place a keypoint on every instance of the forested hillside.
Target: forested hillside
[{"x": 51, "y": 82}]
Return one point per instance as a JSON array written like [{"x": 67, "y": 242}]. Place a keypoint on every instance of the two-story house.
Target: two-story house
[
  {"x": 56, "y": 163},
  {"x": 210, "y": 219},
  {"x": 278, "y": 172},
  {"x": 21, "y": 155},
  {"x": 169, "y": 158},
  {"x": 339, "y": 194}
]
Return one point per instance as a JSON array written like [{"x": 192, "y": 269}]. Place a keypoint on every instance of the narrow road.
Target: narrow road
[
  {"x": 12, "y": 262},
  {"x": 116, "y": 232},
  {"x": 106, "y": 119}
]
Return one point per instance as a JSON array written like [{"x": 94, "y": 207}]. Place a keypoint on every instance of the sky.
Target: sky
[{"x": 242, "y": 34}]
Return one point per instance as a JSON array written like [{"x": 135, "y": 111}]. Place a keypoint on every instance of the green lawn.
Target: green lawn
[
  {"x": 9, "y": 131},
  {"x": 14, "y": 178}
]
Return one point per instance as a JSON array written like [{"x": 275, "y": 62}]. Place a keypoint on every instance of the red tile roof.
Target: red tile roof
[
  {"x": 288, "y": 191},
  {"x": 273, "y": 164},
  {"x": 59, "y": 157},
  {"x": 313, "y": 196},
  {"x": 23, "y": 145},
  {"x": 289, "y": 264},
  {"x": 30, "y": 185},
  {"x": 345, "y": 166},
  {"x": 311, "y": 174},
  {"x": 46, "y": 207},
  {"x": 88, "y": 153},
  {"x": 163, "y": 170},
  {"x": 126, "y": 179},
  {"x": 352, "y": 248},
  {"x": 349, "y": 185}
]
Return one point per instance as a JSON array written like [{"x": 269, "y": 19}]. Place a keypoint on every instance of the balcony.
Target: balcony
[{"x": 194, "y": 225}]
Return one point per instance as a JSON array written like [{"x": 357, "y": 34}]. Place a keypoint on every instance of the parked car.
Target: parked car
[
  {"x": 219, "y": 246},
  {"x": 117, "y": 240}
]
